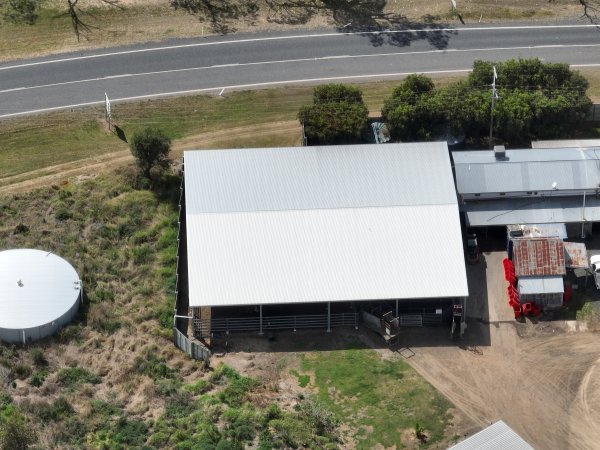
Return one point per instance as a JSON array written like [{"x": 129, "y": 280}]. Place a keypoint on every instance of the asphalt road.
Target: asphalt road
[{"x": 250, "y": 61}]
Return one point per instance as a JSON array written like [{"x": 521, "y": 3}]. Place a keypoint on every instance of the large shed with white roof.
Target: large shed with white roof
[{"x": 316, "y": 226}]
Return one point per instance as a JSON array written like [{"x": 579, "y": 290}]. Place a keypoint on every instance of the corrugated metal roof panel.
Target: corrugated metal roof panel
[
  {"x": 538, "y": 257},
  {"x": 562, "y": 143},
  {"x": 576, "y": 255},
  {"x": 300, "y": 178},
  {"x": 498, "y": 436},
  {"x": 322, "y": 224},
  {"x": 527, "y": 170},
  {"x": 541, "y": 285},
  {"x": 325, "y": 255},
  {"x": 538, "y": 210}
]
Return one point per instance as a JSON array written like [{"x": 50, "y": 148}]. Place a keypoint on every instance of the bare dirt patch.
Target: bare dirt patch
[{"x": 541, "y": 384}]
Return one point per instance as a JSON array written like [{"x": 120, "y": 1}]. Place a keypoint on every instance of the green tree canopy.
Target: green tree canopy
[
  {"x": 337, "y": 115},
  {"x": 413, "y": 113},
  {"x": 536, "y": 100},
  {"x": 150, "y": 148}
]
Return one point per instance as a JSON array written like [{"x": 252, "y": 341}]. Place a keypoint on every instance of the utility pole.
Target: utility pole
[{"x": 494, "y": 97}]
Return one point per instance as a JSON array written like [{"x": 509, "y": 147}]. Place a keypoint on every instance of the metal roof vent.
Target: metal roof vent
[{"x": 499, "y": 152}]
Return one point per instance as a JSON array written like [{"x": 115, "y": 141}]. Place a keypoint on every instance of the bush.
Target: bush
[
  {"x": 37, "y": 354},
  {"x": 63, "y": 214},
  {"x": 15, "y": 434},
  {"x": 21, "y": 371},
  {"x": 338, "y": 115},
  {"x": 55, "y": 411},
  {"x": 71, "y": 376},
  {"x": 150, "y": 148},
  {"x": 151, "y": 365},
  {"x": 21, "y": 229},
  {"x": 38, "y": 378}
]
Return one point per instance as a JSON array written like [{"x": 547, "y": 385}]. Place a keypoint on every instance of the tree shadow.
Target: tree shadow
[
  {"x": 220, "y": 15},
  {"x": 356, "y": 16},
  {"x": 362, "y": 16}
]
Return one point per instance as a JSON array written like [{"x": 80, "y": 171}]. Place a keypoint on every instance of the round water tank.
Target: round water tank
[{"x": 39, "y": 294}]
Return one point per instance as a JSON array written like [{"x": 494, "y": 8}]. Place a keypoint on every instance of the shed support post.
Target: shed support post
[
  {"x": 396, "y": 307},
  {"x": 260, "y": 321},
  {"x": 329, "y": 317}
]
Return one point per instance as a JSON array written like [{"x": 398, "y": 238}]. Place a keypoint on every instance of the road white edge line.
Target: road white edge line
[{"x": 300, "y": 36}]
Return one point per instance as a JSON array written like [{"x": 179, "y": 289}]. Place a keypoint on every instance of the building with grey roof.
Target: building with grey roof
[
  {"x": 505, "y": 187},
  {"x": 316, "y": 226}
]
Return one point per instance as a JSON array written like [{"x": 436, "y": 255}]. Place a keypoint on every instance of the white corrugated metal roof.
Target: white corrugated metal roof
[
  {"x": 563, "y": 143},
  {"x": 320, "y": 224},
  {"x": 541, "y": 285},
  {"x": 512, "y": 211},
  {"x": 498, "y": 436},
  {"x": 344, "y": 176},
  {"x": 48, "y": 288},
  {"x": 527, "y": 170}
]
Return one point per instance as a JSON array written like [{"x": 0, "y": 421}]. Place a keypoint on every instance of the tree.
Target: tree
[
  {"x": 536, "y": 100},
  {"x": 413, "y": 112},
  {"x": 150, "y": 149},
  {"x": 337, "y": 115}
]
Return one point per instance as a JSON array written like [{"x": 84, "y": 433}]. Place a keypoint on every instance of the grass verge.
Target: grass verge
[{"x": 43, "y": 141}]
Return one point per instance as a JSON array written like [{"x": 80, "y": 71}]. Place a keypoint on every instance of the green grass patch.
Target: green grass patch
[
  {"x": 377, "y": 398},
  {"x": 303, "y": 379}
]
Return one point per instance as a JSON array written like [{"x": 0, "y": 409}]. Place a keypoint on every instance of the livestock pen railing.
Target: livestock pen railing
[{"x": 205, "y": 327}]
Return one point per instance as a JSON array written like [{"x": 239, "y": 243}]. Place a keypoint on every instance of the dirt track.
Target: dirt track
[{"x": 545, "y": 385}]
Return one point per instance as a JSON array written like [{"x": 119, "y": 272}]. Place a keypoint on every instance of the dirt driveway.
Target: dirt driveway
[{"x": 542, "y": 379}]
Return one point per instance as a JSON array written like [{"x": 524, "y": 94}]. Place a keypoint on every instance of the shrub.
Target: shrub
[
  {"x": 21, "y": 371},
  {"x": 63, "y": 214},
  {"x": 71, "y": 376},
  {"x": 316, "y": 414},
  {"x": 15, "y": 434},
  {"x": 38, "y": 378},
  {"x": 37, "y": 354},
  {"x": 151, "y": 365},
  {"x": 21, "y": 229},
  {"x": 55, "y": 411}
]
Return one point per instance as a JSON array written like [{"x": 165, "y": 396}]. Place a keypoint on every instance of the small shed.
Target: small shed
[{"x": 539, "y": 268}]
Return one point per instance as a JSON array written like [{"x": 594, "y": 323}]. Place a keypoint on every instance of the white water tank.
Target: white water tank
[{"x": 39, "y": 294}]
